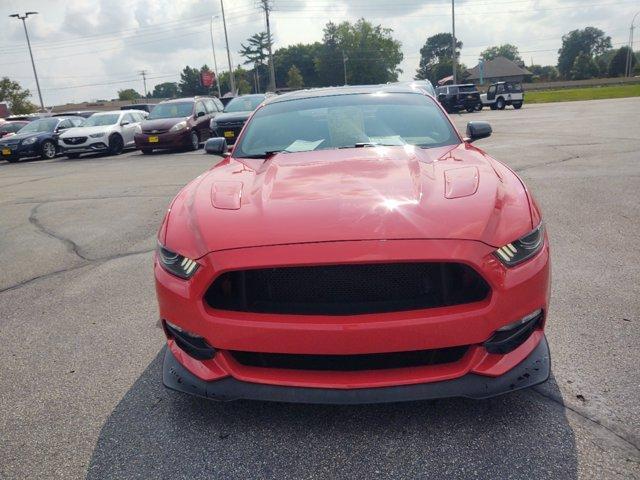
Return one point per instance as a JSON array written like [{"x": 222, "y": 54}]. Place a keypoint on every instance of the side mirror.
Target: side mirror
[
  {"x": 124, "y": 122},
  {"x": 216, "y": 146},
  {"x": 200, "y": 114},
  {"x": 477, "y": 130}
]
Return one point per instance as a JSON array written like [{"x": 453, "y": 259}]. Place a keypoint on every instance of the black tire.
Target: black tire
[
  {"x": 479, "y": 106},
  {"x": 194, "y": 143},
  {"x": 116, "y": 144},
  {"x": 470, "y": 109},
  {"x": 517, "y": 105},
  {"x": 13, "y": 160},
  {"x": 500, "y": 103},
  {"x": 146, "y": 151},
  {"x": 73, "y": 155},
  {"x": 48, "y": 150}
]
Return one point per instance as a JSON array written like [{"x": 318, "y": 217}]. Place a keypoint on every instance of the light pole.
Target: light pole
[
  {"x": 232, "y": 81},
  {"x": 453, "y": 40},
  {"x": 344, "y": 66},
  {"x": 215, "y": 63},
  {"x": 24, "y": 24},
  {"x": 629, "y": 63}
]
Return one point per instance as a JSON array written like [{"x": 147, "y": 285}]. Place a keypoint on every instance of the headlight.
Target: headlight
[
  {"x": 178, "y": 126},
  {"x": 522, "y": 249},
  {"x": 97, "y": 135},
  {"x": 29, "y": 141},
  {"x": 176, "y": 264}
]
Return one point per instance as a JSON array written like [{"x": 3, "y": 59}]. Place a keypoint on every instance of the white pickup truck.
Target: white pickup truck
[{"x": 501, "y": 94}]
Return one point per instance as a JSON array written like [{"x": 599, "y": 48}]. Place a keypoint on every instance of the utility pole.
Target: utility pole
[
  {"x": 266, "y": 6},
  {"x": 232, "y": 81},
  {"x": 453, "y": 41},
  {"x": 215, "y": 63},
  {"x": 629, "y": 63},
  {"x": 33, "y": 64},
  {"x": 344, "y": 66},
  {"x": 144, "y": 80}
]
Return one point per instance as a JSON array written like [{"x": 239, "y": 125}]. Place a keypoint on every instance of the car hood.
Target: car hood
[
  {"x": 85, "y": 131},
  {"x": 233, "y": 117},
  {"x": 18, "y": 137},
  {"x": 161, "y": 123},
  {"x": 379, "y": 193}
]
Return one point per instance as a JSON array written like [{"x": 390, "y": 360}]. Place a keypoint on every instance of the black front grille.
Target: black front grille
[
  {"x": 74, "y": 140},
  {"x": 347, "y": 289},
  {"x": 369, "y": 361},
  {"x": 154, "y": 131},
  {"x": 231, "y": 125}
]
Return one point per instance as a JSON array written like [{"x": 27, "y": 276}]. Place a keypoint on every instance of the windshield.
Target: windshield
[
  {"x": 171, "y": 110},
  {"x": 346, "y": 121},
  {"x": 244, "y": 104},
  {"x": 42, "y": 125},
  {"x": 101, "y": 120}
]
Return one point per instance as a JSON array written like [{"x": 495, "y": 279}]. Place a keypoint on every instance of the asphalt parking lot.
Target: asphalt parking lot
[{"x": 81, "y": 348}]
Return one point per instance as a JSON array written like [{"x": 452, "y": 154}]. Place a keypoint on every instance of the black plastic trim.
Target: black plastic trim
[
  {"x": 507, "y": 341},
  {"x": 197, "y": 347},
  {"x": 533, "y": 370}
]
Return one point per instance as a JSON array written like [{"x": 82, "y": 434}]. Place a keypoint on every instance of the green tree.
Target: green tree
[
  {"x": 328, "y": 62},
  {"x": 435, "y": 57},
  {"x": 242, "y": 79},
  {"x": 294, "y": 78},
  {"x": 256, "y": 53},
  {"x": 584, "y": 67},
  {"x": 372, "y": 55},
  {"x": 618, "y": 64},
  {"x": 506, "y": 50},
  {"x": 303, "y": 57},
  {"x": 190, "y": 83},
  {"x": 128, "y": 94},
  {"x": 547, "y": 73},
  {"x": 590, "y": 41},
  {"x": 16, "y": 97},
  {"x": 165, "y": 90}
]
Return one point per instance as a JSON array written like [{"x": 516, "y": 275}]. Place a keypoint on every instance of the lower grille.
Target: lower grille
[
  {"x": 155, "y": 131},
  {"x": 370, "y": 361},
  {"x": 230, "y": 125},
  {"x": 74, "y": 140},
  {"x": 347, "y": 289}
]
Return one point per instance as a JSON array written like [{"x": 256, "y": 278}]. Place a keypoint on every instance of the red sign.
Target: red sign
[{"x": 207, "y": 78}]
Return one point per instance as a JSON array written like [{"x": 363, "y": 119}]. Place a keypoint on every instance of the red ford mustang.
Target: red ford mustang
[{"x": 353, "y": 248}]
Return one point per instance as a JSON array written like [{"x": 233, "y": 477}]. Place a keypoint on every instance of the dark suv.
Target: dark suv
[
  {"x": 183, "y": 122},
  {"x": 236, "y": 112},
  {"x": 459, "y": 97}
]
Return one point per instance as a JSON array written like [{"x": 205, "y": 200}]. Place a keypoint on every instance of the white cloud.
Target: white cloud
[{"x": 80, "y": 42}]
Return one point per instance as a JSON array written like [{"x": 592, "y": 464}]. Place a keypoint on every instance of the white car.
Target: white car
[
  {"x": 109, "y": 132},
  {"x": 501, "y": 94}
]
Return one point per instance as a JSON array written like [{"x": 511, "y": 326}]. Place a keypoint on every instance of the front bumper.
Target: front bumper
[
  {"x": 166, "y": 140},
  {"x": 515, "y": 292},
  {"x": 20, "y": 151},
  {"x": 93, "y": 145},
  {"x": 533, "y": 370}
]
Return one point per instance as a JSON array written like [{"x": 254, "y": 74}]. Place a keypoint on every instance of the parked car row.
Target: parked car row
[
  {"x": 455, "y": 98},
  {"x": 172, "y": 124}
]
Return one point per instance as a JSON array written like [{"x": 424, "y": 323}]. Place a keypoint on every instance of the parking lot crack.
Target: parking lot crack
[
  {"x": 70, "y": 244},
  {"x": 628, "y": 440}
]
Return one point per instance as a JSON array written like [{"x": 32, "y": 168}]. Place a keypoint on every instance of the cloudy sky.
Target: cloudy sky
[{"x": 89, "y": 49}]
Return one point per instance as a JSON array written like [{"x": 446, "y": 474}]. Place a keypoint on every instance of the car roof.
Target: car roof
[
  {"x": 346, "y": 90},
  {"x": 184, "y": 99},
  {"x": 110, "y": 112}
]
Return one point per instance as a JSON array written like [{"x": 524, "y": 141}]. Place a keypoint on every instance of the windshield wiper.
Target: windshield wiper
[
  {"x": 264, "y": 155},
  {"x": 361, "y": 145}
]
